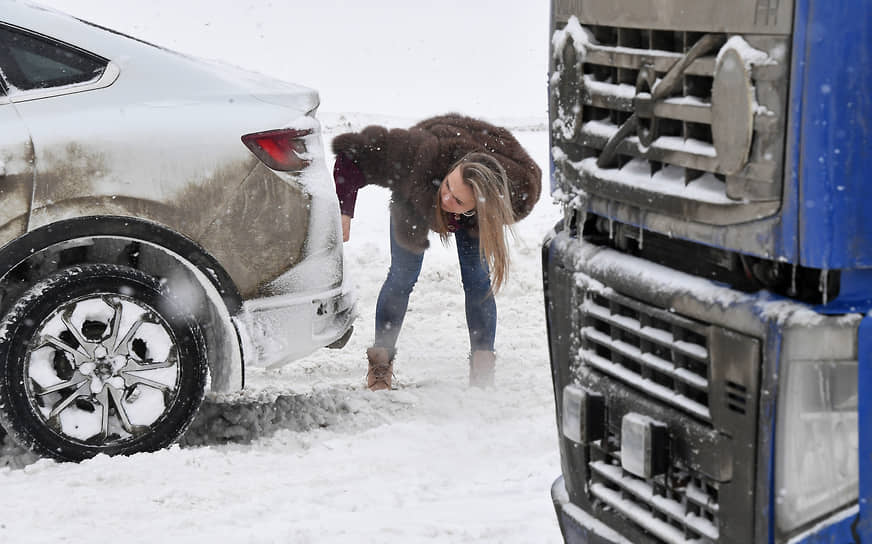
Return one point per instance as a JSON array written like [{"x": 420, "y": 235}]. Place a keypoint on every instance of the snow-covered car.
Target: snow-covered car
[{"x": 164, "y": 221}]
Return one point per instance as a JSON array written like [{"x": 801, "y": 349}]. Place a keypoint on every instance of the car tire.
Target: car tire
[{"x": 99, "y": 359}]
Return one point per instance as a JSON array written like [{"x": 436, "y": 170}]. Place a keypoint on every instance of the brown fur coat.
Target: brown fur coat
[{"x": 412, "y": 163}]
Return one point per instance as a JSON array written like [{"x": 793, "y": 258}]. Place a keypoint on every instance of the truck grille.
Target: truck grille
[
  {"x": 617, "y": 136},
  {"x": 610, "y": 74},
  {"x": 680, "y": 506},
  {"x": 629, "y": 357},
  {"x": 663, "y": 354}
]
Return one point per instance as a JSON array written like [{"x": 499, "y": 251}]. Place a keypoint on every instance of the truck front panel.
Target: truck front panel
[{"x": 708, "y": 367}]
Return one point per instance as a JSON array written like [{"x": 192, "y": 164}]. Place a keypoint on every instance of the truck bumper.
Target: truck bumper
[
  {"x": 276, "y": 330},
  {"x": 577, "y": 526}
]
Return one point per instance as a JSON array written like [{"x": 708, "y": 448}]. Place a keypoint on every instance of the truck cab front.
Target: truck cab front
[{"x": 708, "y": 288}]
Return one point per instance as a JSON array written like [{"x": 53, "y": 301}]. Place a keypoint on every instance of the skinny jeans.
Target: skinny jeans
[{"x": 393, "y": 299}]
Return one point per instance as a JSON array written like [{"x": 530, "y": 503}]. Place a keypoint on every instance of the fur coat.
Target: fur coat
[{"x": 413, "y": 162}]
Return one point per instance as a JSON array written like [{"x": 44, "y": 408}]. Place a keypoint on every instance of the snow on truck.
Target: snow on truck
[{"x": 708, "y": 289}]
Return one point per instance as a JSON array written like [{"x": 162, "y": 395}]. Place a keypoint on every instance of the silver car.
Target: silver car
[{"x": 164, "y": 221}]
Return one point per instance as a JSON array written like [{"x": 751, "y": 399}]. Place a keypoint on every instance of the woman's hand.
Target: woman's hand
[{"x": 346, "y": 227}]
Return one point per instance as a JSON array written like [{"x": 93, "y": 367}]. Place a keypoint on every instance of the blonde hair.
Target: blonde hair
[{"x": 493, "y": 211}]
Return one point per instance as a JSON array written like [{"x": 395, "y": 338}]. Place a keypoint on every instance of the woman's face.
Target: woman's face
[{"x": 455, "y": 195}]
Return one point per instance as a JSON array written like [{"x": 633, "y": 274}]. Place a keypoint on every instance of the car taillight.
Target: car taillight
[{"x": 281, "y": 149}]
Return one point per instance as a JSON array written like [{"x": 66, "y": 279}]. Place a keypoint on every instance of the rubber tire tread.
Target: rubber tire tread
[{"x": 19, "y": 324}]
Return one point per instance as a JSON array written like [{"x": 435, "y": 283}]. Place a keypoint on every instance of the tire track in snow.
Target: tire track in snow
[{"x": 250, "y": 415}]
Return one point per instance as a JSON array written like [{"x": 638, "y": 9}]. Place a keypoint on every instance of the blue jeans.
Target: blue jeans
[{"x": 393, "y": 299}]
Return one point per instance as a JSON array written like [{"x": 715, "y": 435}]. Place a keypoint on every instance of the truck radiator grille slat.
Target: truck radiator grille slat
[
  {"x": 661, "y": 353},
  {"x": 679, "y": 514},
  {"x": 679, "y": 506}
]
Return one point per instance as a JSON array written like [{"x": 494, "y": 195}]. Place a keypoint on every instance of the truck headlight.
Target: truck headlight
[
  {"x": 643, "y": 445},
  {"x": 583, "y": 412},
  {"x": 816, "y": 468}
]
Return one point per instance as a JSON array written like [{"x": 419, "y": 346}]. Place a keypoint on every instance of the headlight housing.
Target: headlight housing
[
  {"x": 816, "y": 469},
  {"x": 732, "y": 110}
]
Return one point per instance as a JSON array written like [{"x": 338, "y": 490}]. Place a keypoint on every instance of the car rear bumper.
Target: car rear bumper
[
  {"x": 577, "y": 526},
  {"x": 278, "y": 329}
]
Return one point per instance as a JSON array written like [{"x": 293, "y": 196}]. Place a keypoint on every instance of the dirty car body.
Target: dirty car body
[{"x": 164, "y": 220}]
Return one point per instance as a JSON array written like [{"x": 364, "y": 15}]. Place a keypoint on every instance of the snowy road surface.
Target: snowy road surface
[{"x": 431, "y": 461}]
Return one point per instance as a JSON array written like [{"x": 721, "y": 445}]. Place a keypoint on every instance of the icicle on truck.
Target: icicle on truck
[{"x": 708, "y": 290}]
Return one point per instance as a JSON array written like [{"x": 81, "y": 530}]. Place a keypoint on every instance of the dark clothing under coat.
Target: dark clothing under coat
[{"x": 413, "y": 162}]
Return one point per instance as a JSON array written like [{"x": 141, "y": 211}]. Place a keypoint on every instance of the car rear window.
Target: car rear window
[{"x": 33, "y": 62}]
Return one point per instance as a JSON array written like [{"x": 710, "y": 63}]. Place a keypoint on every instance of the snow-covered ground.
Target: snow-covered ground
[{"x": 430, "y": 461}]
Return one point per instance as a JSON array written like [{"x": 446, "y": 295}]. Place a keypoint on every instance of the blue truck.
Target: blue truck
[{"x": 708, "y": 290}]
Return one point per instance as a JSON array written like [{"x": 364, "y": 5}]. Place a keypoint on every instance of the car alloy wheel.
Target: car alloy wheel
[{"x": 99, "y": 359}]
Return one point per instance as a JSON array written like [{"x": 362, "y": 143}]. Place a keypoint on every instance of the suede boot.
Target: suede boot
[
  {"x": 482, "y": 365},
  {"x": 381, "y": 368}
]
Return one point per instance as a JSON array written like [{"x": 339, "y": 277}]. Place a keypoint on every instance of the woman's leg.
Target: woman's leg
[
  {"x": 393, "y": 299},
  {"x": 481, "y": 309}
]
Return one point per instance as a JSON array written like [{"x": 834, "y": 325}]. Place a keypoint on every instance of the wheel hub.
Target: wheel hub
[{"x": 129, "y": 389}]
